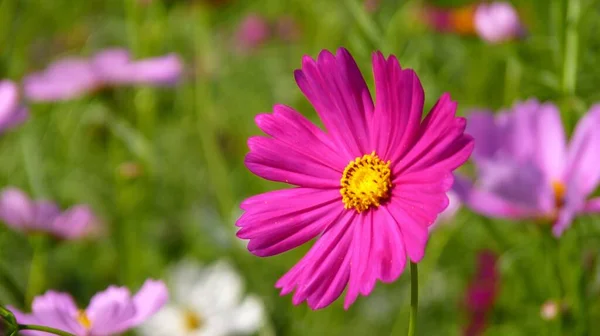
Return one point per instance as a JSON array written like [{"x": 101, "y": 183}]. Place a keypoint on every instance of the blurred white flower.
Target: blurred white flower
[{"x": 206, "y": 301}]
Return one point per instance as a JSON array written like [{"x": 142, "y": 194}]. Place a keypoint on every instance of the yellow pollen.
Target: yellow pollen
[
  {"x": 559, "y": 194},
  {"x": 191, "y": 321},
  {"x": 83, "y": 319},
  {"x": 366, "y": 182}
]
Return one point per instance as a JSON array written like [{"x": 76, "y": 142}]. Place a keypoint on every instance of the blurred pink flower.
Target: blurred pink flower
[
  {"x": 481, "y": 293},
  {"x": 12, "y": 113},
  {"x": 73, "y": 77},
  {"x": 115, "y": 67},
  {"x": 252, "y": 32},
  {"x": 525, "y": 168},
  {"x": 110, "y": 312},
  {"x": 368, "y": 188},
  {"x": 25, "y": 215},
  {"x": 497, "y": 22},
  {"x": 459, "y": 20}
]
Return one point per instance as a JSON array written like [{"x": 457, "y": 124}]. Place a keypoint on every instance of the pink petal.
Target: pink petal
[
  {"x": 565, "y": 218},
  {"x": 63, "y": 80},
  {"x": 76, "y": 222},
  {"x": 583, "y": 159},
  {"x": 110, "y": 311},
  {"x": 322, "y": 274},
  {"x": 115, "y": 67},
  {"x": 487, "y": 203},
  {"x": 378, "y": 253},
  {"x": 337, "y": 90},
  {"x": 497, "y": 22},
  {"x": 149, "y": 299},
  {"x": 592, "y": 205},
  {"x": 298, "y": 153},
  {"x": 486, "y": 134},
  {"x": 551, "y": 142},
  {"x": 57, "y": 310},
  {"x": 441, "y": 142},
  {"x": 16, "y": 209},
  {"x": 398, "y": 108},
  {"x": 287, "y": 219},
  {"x": 11, "y": 113}
]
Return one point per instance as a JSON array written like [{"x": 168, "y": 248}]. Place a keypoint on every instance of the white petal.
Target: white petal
[
  {"x": 219, "y": 289},
  {"x": 249, "y": 316},
  {"x": 184, "y": 277},
  {"x": 168, "y": 321}
]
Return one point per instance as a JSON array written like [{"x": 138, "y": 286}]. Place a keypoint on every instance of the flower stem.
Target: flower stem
[
  {"x": 414, "y": 298},
  {"x": 35, "y": 283},
  {"x": 571, "y": 49},
  {"x": 44, "y": 329}
]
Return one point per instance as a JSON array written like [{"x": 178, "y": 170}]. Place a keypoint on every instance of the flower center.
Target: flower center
[
  {"x": 559, "y": 194},
  {"x": 191, "y": 320},
  {"x": 83, "y": 319},
  {"x": 366, "y": 182}
]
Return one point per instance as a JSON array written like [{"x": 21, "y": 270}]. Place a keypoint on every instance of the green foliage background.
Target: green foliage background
[{"x": 189, "y": 143}]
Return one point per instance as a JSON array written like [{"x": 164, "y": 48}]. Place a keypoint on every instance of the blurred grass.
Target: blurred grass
[{"x": 189, "y": 142}]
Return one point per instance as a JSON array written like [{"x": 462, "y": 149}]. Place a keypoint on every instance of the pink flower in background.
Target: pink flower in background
[
  {"x": 367, "y": 189},
  {"x": 12, "y": 113},
  {"x": 497, "y": 22},
  {"x": 74, "y": 77},
  {"x": 525, "y": 170},
  {"x": 110, "y": 312},
  {"x": 23, "y": 214},
  {"x": 115, "y": 67},
  {"x": 481, "y": 293},
  {"x": 458, "y": 20},
  {"x": 252, "y": 32}
]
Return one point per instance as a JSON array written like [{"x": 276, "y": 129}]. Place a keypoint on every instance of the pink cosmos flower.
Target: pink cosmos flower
[
  {"x": 110, "y": 312},
  {"x": 525, "y": 168},
  {"x": 252, "y": 32},
  {"x": 11, "y": 112},
  {"x": 497, "y": 22},
  {"x": 23, "y": 214},
  {"x": 367, "y": 188},
  {"x": 73, "y": 77}
]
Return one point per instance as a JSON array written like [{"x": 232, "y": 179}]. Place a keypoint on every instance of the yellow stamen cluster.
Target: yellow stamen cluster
[
  {"x": 559, "y": 194},
  {"x": 192, "y": 321},
  {"x": 83, "y": 319},
  {"x": 366, "y": 182}
]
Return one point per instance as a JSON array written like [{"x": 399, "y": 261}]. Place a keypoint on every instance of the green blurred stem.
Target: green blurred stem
[
  {"x": 37, "y": 269},
  {"x": 512, "y": 76},
  {"x": 11, "y": 285},
  {"x": 44, "y": 329},
  {"x": 582, "y": 285},
  {"x": 132, "y": 15},
  {"x": 414, "y": 298},
  {"x": 569, "y": 78},
  {"x": 552, "y": 252}
]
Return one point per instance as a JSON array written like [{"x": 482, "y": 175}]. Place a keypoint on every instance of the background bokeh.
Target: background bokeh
[{"x": 163, "y": 167}]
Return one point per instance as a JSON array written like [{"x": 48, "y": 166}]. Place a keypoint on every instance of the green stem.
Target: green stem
[
  {"x": 414, "y": 298},
  {"x": 44, "y": 329},
  {"x": 35, "y": 283},
  {"x": 582, "y": 285},
  {"x": 571, "y": 49},
  {"x": 512, "y": 77}
]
